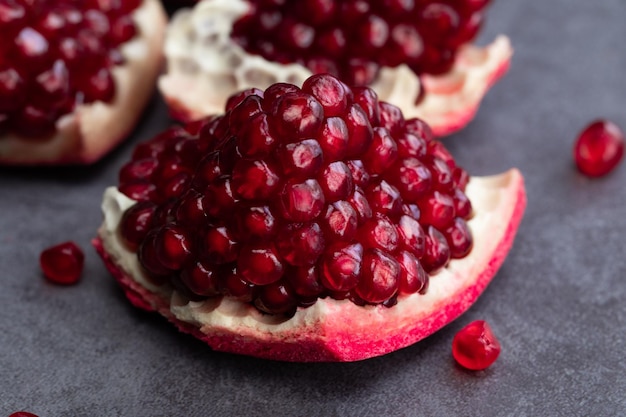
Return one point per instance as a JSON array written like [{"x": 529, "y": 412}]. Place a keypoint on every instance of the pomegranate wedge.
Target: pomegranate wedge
[
  {"x": 418, "y": 57},
  {"x": 91, "y": 66},
  {"x": 309, "y": 223}
]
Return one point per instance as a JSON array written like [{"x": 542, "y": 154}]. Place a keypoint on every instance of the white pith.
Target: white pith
[
  {"x": 86, "y": 134},
  {"x": 495, "y": 200},
  {"x": 204, "y": 67}
]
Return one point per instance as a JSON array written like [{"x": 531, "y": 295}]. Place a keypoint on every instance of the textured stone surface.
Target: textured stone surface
[{"x": 557, "y": 305}]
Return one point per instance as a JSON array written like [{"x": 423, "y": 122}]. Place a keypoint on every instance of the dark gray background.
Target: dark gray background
[{"x": 557, "y": 304}]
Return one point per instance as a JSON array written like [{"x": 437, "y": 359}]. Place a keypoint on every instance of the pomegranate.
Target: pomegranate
[
  {"x": 22, "y": 414},
  {"x": 74, "y": 76},
  {"x": 417, "y": 55},
  {"x": 475, "y": 347},
  {"x": 62, "y": 263},
  {"x": 306, "y": 224},
  {"x": 599, "y": 148}
]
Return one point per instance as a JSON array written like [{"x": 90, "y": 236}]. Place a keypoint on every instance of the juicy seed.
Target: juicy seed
[
  {"x": 425, "y": 35},
  {"x": 294, "y": 195},
  {"x": 599, "y": 148},
  {"x": 62, "y": 263},
  {"x": 62, "y": 54},
  {"x": 475, "y": 347}
]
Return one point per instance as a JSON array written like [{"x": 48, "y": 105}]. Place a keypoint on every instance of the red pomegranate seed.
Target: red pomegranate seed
[
  {"x": 136, "y": 223},
  {"x": 302, "y": 159},
  {"x": 260, "y": 264},
  {"x": 174, "y": 247},
  {"x": 475, "y": 347},
  {"x": 437, "y": 253},
  {"x": 342, "y": 266},
  {"x": 301, "y": 244},
  {"x": 380, "y": 277},
  {"x": 201, "y": 279},
  {"x": 276, "y": 298},
  {"x": 599, "y": 148},
  {"x": 62, "y": 263},
  {"x": 306, "y": 282},
  {"x": 413, "y": 278},
  {"x": 302, "y": 201}
]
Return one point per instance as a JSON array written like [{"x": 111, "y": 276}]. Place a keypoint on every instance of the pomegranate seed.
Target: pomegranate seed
[
  {"x": 298, "y": 115},
  {"x": 330, "y": 92},
  {"x": 382, "y": 152},
  {"x": 342, "y": 266},
  {"x": 459, "y": 238},
  {"x": 302, "y": 159},
  {"x": 136, "y": 222},
  {"x": 599, "y": 148},
  {"x": 277, "y": 204},
  {"x": 201, "y": 279},
  {"x": 475, "y": 347},
  {"x": 12, "y": 90},
  {"x": 336, "y": 181},
  {"x": 413, "y": 278},
  {"x": 302, "y": 201},
  {"x": 173, "y": 247},
  {"x": 276, "y": 298},
  {"x": 301, "y": 244},
  {"x": 341, "y": 220},
  {"x": 235, "y": 286},
  {"x": 260, "y": 264},
  {"x": 437, "y": 253},
  {"x": 379, "y": 278},
  {"x": 62, "y": 263}
]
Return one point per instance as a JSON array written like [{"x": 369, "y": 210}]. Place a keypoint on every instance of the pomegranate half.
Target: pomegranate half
[
  {"x": 306, "y": 224},
  {"x": 81, "y": 126},
  {"x": 422, "y": 59}
]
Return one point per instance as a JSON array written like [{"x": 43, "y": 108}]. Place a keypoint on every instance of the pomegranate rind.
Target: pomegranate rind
[
  {"x": 92, "y": 130},
  {"x": 202, "y": 74},
  {"x": 333, "y": 330}
]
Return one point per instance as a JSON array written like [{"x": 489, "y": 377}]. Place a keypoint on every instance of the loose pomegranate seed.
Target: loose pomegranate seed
[
  {"x": 62, "y": 263},
  {"x": 62, "y": 54},
  {"x": 425, "y": 35},
  {"x": 475, "y": 347},
  {"x": 599, "y": 148},
  {"x": 277, "y": 204}
]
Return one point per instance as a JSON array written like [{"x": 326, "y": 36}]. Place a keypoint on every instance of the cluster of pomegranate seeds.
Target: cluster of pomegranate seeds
[
  {"x": 62, "y": 263},
  {"x": 475, "y": 347},
  {"x": 56, "y": 54},
  {"x": 352, "y": 39},
  {"x": 599, "y": 148},
  {"x": 295, "y": 194}
]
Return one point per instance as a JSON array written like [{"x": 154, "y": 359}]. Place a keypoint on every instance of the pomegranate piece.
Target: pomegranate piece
[
  {"x": 417, "y": 55},
  {"x": 62, "y": 263},
  {"x": 22, "y": 414},
  {"x": 475, "y": 347},
  {"x": 91, "y": 65},
  {"x": 298, "y": 231},
  {"x": 599, "y": 148}
]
